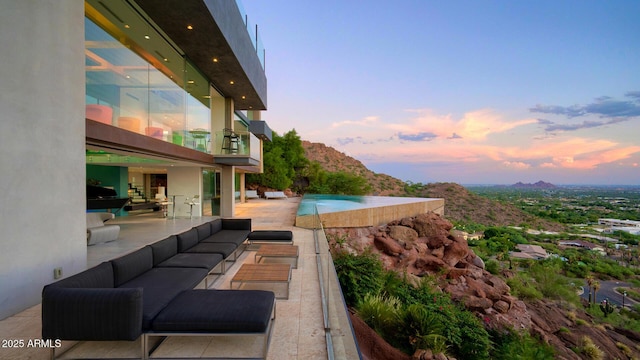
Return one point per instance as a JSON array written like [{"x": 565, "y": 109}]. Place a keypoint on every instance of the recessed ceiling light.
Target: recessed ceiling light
[
  {"x": 231, "y": 82},
  {"x": 126, "y": 26},
  {"x": 189, "y": 27},
  {"x": 191, "y": 82},
  {"x": 166, "y": 60},
  {"x": 215, "y": 59},
  {"x": 147, "y": 37},
  {"x": 128, "y": 76},
  {"x": 243, "y": 97}
]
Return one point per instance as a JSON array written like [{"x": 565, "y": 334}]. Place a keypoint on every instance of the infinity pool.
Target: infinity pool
[{"x": 356, "y": 211}]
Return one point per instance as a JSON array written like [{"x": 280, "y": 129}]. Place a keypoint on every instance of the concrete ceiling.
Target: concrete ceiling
[{"x": 205, "y": 41}]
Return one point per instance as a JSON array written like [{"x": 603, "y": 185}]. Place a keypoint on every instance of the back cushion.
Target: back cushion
[
  {"x": 132, "y": 265},
  {"x": 236, "y": 224},
  {"x": 216, "y": 225},
  {"x": 204, "y": 231},
  {"x": 100, "y": 276},
  {"x": 187, "y": 239},
  {"x": 164, "y": 249}
]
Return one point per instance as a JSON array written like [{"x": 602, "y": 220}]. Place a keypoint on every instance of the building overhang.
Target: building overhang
[
  {"x": 236, "y": 160},
  {"x": 260, "y": 129},
  {"x": 213, "y": 35}
]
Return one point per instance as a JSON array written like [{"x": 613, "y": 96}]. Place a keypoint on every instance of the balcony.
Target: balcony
[{"x": 236, "y": 148}]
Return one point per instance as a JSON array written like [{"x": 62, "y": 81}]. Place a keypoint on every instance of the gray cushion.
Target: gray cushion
[
  {"x": 196, "y": 260},
  {"x": 161, "y": 285},
  {"x": 271, "y": 235},
  {"x": 204, "y": 231},
  {"x": 187, "y": 239},
  {"x": 132, "y": 265},
  {"x": 164, "y": 249},
  {"x": 217, "y": 311},
  {"x": 229, "y": 236},
  {"x": 224, "y": 249},
  {"x": 236, "y": 224},
  {"x": 216, "y": 225},
  {"x": 100, "y": 276}
]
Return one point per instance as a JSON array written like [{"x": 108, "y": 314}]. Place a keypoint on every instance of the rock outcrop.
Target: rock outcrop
[{"x": 424, "y": 245}]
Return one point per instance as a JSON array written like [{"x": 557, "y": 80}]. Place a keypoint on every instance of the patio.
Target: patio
[{"x": 299, "y": 329}]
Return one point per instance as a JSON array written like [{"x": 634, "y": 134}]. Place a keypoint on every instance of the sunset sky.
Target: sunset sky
[{"x": 473, "y": 92}]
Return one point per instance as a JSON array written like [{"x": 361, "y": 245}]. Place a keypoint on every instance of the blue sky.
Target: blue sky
[{"x": 464, "y": 91}]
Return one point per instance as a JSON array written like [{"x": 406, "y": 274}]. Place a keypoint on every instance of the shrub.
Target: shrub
[
  {"x": 492, "y": 266},
  {"x": 513, "y": 345},
  {"x": 381, "y": 314},
  {"x": 591, "y": 350},
  {"x": 359, "y": 275}
]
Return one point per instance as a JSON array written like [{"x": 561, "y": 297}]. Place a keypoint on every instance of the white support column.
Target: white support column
[{"x": 227, "y": 191}]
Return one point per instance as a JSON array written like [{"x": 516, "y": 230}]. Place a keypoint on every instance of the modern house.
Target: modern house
[{"x": 138, "y": 96}]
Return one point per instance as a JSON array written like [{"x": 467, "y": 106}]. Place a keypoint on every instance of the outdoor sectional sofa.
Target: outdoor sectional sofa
[{"x": 150, "y": 292}]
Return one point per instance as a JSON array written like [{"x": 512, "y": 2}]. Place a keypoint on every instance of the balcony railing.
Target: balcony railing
[
  {"x": 252, "y": 30},
  {"x": 340, "y": 338}
]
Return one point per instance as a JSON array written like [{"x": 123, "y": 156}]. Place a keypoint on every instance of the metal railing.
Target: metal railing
[{"x": 339, "y": 334}]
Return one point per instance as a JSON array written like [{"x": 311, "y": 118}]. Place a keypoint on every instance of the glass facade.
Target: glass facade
[{"x": 136, "y": 80}]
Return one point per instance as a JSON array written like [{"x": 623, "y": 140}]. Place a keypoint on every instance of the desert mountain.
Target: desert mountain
[{"x": 460, "y": 204}]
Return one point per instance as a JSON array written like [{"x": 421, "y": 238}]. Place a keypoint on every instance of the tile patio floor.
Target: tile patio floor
[{"x": 298, "y": 332}]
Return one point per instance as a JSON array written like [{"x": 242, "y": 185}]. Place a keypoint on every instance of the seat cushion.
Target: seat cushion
[
  {"x": 224, "y": 249},
  {"x": 196, "y": 260},
  {"x": 217, "y": 311},
  {"x": 161, "y": 285},
  {"x": 228, "y": 236}
]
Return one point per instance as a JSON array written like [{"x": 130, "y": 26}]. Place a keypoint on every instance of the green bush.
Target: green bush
[
  {"x": 492, "y": 266},
  {"x": 359, "y": 275},
  {"x": 515, "y": 346}
]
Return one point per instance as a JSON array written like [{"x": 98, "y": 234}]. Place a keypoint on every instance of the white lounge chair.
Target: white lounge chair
[
  {"x": 251, "y": 194},
  {"x": 274, "y": 195}
]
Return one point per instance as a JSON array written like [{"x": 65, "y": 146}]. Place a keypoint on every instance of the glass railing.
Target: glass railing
[
  {"x": 236, "y": 143},
  {"x": 252, "y": 30},
  {"x": 339, "y": 335}
]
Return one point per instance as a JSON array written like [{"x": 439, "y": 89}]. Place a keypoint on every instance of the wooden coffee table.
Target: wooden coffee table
[
  {"x": 263, "y": 273},
  {"x": 278, "y": 251}
]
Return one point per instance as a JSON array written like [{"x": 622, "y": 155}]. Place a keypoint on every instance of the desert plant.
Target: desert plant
[
  {"x": 625, "y": 349},
  {"x": 591, "y": 350},
  {"x": 606, "y": 307}
]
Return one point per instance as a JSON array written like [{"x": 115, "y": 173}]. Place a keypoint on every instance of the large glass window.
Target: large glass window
[{"x": 138, "y": 81}]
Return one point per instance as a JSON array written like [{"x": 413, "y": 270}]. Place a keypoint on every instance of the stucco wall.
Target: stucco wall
[{"x": 42, "y": 142}]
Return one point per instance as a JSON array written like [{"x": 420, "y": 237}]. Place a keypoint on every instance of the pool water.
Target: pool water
[{"x": 334, "y": 203}]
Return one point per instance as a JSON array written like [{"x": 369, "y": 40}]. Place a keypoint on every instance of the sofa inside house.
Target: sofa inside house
[{"x": 150, "y": 292}]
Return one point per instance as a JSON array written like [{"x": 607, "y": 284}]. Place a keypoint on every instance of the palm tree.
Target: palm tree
[
  {"x": 590, "y": 280},
  {"x": 596, "y": 287}
]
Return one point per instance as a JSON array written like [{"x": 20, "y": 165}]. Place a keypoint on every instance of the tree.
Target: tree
[{"x": 283, "y": 156}]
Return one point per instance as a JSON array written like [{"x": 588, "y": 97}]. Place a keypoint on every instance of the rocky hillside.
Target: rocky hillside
[
  {"x": 465, "y": 206},
  {"x": 332, "y": 160},
  {"x": 424, "y": 245},
  {"x": 460, "y": 204}
]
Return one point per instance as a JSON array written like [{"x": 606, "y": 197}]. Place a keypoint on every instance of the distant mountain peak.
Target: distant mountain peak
[{"x": 538, "y": 185}]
